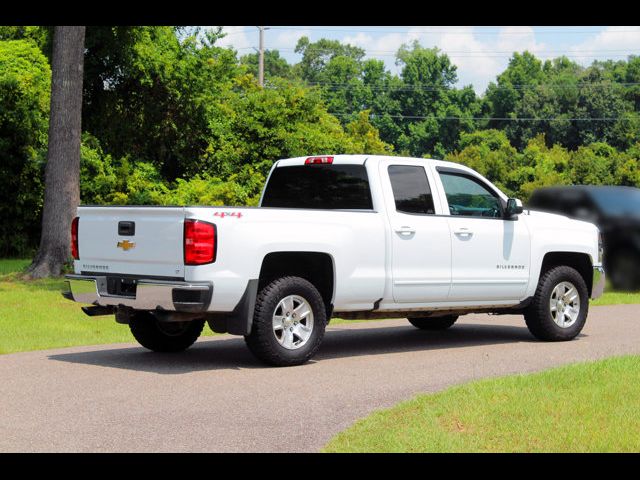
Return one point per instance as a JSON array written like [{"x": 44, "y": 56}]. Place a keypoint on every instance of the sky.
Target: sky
[{"x": 480, "y": 53}]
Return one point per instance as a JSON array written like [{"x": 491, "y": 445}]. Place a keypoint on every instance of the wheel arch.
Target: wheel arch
[
  {"x": 581, "y": 262},
  {"x": 316, "y": 267}
]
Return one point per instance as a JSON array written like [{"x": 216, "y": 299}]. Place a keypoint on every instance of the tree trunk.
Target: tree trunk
[{"x": 62, "y": 173}]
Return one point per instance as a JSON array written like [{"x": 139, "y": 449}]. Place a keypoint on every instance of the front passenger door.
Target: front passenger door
[{"x": 489, "y": 255}]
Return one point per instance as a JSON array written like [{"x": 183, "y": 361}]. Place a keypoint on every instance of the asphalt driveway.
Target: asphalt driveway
[{"x": 216, "y": 397}]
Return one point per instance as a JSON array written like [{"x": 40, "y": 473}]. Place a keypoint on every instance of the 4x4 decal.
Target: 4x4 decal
[{"x": 228, "y": 214}]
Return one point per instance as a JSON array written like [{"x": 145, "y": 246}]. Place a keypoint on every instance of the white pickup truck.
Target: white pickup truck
[{"x": 354, "y": 236}]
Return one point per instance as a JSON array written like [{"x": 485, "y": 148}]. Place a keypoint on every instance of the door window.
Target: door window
[
  {"x": 411, "y": 189},
  {"x": 469, "y": 197}
]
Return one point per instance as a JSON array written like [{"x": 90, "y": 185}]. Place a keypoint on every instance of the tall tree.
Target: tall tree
[
  {"x": 317, "y": 55},
  {"x": 62, "y": 173},
  {"x": 428, "y": 90}
]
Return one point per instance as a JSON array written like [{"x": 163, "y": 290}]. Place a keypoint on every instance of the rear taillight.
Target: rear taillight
[
  {"x": 199, "y": 242},
  {"x": 74, "y": 238},
  {"x": 318, "y": 160}
]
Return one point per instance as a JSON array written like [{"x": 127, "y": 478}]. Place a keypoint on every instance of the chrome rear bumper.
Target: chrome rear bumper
[
  {"x": 143, "y": 294},
  {"x": 599, "y": 278}
]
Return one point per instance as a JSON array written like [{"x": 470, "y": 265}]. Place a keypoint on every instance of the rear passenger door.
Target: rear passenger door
[{"x": 420, "y": 240}]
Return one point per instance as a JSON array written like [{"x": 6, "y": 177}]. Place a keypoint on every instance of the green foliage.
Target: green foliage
[
  {"x": 274, "y": 65},
  {"x": 149, "y": 94},
  {"x": 239, "y": 190},
  {"x": 538, "y": 165},
  {"x": 365, "y": 137},
  {"x": 560, "y": 93},
  {"x": 428, "y": 78},
  {"x": 425, "y": 88},
  {"x": 98, "y": 177},
  {"x": 258, "y": 126},
  {"x": 25, "y": 80},
  {"x": 489, "y": 153},
  {"x": 105, "y": 181},
  {"x": 541, "y": 166},
  {"x": 317, "y": 56},
  {"x": 524, "y": 71},
  {"x": 41, "y": 36}
]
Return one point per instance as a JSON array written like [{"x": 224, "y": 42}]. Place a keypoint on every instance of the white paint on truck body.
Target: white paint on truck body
[{"x": 448, "y": 260}]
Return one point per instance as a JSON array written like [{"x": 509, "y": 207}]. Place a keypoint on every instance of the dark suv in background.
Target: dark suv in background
[{"x": 616, "y": 212}]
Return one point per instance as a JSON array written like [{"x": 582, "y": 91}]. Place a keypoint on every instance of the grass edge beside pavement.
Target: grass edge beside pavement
[{"x": 572, "y": 408}]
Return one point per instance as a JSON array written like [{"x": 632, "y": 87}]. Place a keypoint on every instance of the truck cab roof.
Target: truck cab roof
[{"x": 361, "y": 159}]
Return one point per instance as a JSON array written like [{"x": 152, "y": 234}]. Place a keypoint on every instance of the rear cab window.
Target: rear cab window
[{"x": 321, "y": 187}]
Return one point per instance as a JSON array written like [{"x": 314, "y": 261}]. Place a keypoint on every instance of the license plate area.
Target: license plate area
[{"x": 121, "y": 287}]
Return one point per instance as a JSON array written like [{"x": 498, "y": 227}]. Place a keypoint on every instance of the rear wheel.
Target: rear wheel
[
  {"x": 164, "y": 336},
  {"x": 433, "y": 323},
  {"x": 288, "y": 323},
  {"x": 559, "y": 308}
]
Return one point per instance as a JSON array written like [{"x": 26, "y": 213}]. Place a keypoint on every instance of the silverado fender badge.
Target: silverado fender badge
[{"x": 126, "y": 245}]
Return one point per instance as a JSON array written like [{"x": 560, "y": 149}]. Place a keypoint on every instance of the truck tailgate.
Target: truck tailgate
[{"x": 145, "y": 241}]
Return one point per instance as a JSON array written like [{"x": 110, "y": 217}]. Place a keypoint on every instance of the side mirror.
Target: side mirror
[{"x": 514, "y": 207}]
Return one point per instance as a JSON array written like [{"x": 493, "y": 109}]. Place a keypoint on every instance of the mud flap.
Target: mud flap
[{"x": 239, "y": 321}]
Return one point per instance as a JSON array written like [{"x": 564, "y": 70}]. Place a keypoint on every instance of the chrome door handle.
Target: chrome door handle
[
  {"x": 463, "y": 232},
  {"x": 405, "y": 231}
]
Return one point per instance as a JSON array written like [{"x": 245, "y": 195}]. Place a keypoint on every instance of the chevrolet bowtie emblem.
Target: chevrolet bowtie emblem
[{"x": 126, "y": 245}]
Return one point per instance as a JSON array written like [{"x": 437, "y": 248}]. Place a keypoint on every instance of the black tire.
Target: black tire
[
  {"x": 624, "y": 270},
  {"x": 538, "y": 315},
  {"x": 433, "y": 323},
  {"x": 263, "y": 341},
  {"x": 164, "y": 336}
]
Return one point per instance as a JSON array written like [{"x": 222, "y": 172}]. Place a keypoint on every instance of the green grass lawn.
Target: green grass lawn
[
  {"x": 12, "y": 265},
  {"x": 590, "y": 407},
  {"x": 614, "y": 298},
  {"x": 34, "y": 316}
]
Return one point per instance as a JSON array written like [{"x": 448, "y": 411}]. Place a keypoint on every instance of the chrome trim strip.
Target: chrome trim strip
[
  {"x": 491, "y": 282},
  {"x": 421, "y": 282}
]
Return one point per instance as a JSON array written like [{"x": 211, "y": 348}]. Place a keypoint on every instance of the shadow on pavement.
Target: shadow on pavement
[
  {"x": 397, "y": 339},
  {"x": 227, "y": 353},
  {"x": 232, "y": 353}
]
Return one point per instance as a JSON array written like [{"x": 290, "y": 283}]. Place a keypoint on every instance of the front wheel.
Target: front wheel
[
  {"x": 164, "y": 336},
  {"x": 559, "y": 308},
  {"x": 288, "y": 323}
]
